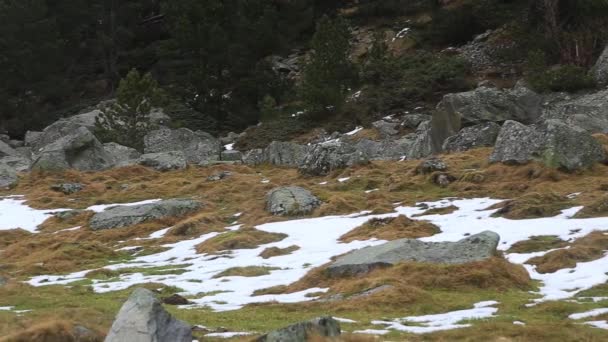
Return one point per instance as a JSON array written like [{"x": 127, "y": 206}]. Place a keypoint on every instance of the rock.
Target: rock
[
  {"x": 473, "y": 248},
  {"x": 176, "y": 300},
  {"x": 431, "y": 165},
  {"x": 327, "y": 157},
  {"x": 278, "y": 153},
  {"x": 230, "y": 138},
  {"x": 232, "y": 156},
  {"x": 143, "y": 319},
  {"x": 67, "y": 188},
  {"x": 412, "y": 146},
  {"x": 600, "y": 69},
  {"x": 58, "y": 130},
  {"x": 164, "y": 161},
  {"x": 8, "y": 177},
  {"x": 87, "y": 119},
  {"x": 304, "y": 331},
  {"x": 19, "y": 163},
  {"x": 5, "y": 138},
  {"x": 386, "y": 129},
  {"x": 589, "y": 112},
  {"x": 482, "y": 105},
  {"x": 291, "y": 200},
  {"x": 16, "y": 143},
  {"x": 122, "y": 155},
  {"x": 412, "y": 121},
  {"x": 198, "y": 147},
  {"x": 7, "y": 151},
  {"x": 79, "y": 150},
  {"x": 82, "y": 333},
  {"x": 482, "y": 135},
  {"x": 443, "y": 179},
  {"x": 219, "y": 176},
  {"x": 123, "y": 216},
  {"x": 554, "y": 143},
  {"x": 32, "y": 138},
  {"x": 254, "y": 157}
]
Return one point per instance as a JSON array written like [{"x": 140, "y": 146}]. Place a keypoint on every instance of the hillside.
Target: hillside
[{"x": 400, "y": 170}]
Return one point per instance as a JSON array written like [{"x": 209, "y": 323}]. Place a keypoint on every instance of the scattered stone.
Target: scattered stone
[
  {"x": 143, "y": 319},
  {"x": 482, "y": 135},
  {"x": 122, "y": 155},
  {"x": 219, "y": 176},
  {"x": 431, "y": 165},
  {"x": 198, "y": 147},
  {"x": 164, "y": 161},
  {"x": 123, "y": 216},
  {"x": 67, "y": 188},
  {"x": 176, "y": 300},
  {"x": 473, "y": 248},
  {"x": 304, "y": 331},
  {"x": 291, "y": 200}
]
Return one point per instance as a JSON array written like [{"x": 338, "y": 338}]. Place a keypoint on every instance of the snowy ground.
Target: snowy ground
[{"x": 318, "y": 242}]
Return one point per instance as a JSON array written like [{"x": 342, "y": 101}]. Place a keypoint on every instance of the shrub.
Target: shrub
[{"x": 568, "y": 78}]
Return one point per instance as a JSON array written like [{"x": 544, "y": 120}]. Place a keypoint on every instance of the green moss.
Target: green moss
[{"x": 538, "y": 244}]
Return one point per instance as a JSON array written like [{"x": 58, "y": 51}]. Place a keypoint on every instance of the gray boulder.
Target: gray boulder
[
  {"x": 87, "y": 119},
  {"x": 8, "y": 177},
  {"x": 589, "y": 112},
  {"x": 481, "y": 135},
  {"x": 198, "y": 147},
  {"x": 122, "y": 155},
  {"x": 143, "y": 319},
  {"x": 412, "y": 121},
  {"x": 304, "y": 331},
  {"x": 291, "y": 200},
  {"x": 473, "y": 248},
  {"x": 482, "y": 105},
  {"x": 431, "y": 165},
  {"x": 59, "y": 129},
  {"x": 412, "y": 146},
  {"x": 67, "y": 188},
  {"x": 19, "y": 163},
  {"x": 254, "y": 157},
  {"x": 164, "y": 161},
  {"x": 278, "y": 153},
  {"x": 600, "y": 69},
  {"x": 554, "y": 143},
  {"x": 123, "y": 216},
  {"x": 7, "y": 151},
  {"x": 78, "y": 150},
  {"x": 327, "y": 157},
  {"x": 386, "y": 129},
  {"x": 232, "y": 156}
]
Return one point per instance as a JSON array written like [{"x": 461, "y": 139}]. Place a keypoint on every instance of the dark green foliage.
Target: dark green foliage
[
  {"x": 329, "y": 73},
  {"x": 569, "y": 78},
  {"x": 392, "y": 8},
  {"x": 127, "y": 121},
  {"x": 281, "y": 129}
]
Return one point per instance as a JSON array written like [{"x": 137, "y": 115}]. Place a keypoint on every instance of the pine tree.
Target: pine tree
[
  {"x": 329, "y": 72},
  {"x": 127, "y": 121}
]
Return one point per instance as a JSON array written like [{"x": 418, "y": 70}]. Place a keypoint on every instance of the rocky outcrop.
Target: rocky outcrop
[
  {"x": 482, "y": 105},
  {"x": 482, "y": 135},
  {"x": 304, "y": 331},
  {"x": 198, "y": 147},
  {"x": 291, "y": 200},
  {"x": 123, "y": 215},
  {"x": 143, "y": 319},
  {"x": 8, "y": 177},
  {"x": 473, "y": 248},
  {"x": 164, "y": 161},
  {"x": 78, "y": 150},
  {"x": 554, "y": 143},
  {"x": 122, "y": 155},
  {"x": 327, "y": 157},
  {"x": 600, "y": 69}
]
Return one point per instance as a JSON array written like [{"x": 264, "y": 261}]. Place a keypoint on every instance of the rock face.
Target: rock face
[
  {"x": 324, "y": 158},
  {"x": 143, "y": 319},
  {"x": 600, "y": 70},
  {"x": 291, "y": 200},
  {"x": 198, "y": 147},
  {"x": 123, "y": 216},
  {"x": 554, "y": 143},
  {"x": 79, "y": 150},
  {"x": 304, "y": 331},
  {"x": 164, "y": 161},
  {"x": 482, "y": 135},
  {"x": 482, "y": 105},
  {"x": 8, "y": 177},
  {"x": 473, "y": 248},
  {"x": 122, "y": 155}
]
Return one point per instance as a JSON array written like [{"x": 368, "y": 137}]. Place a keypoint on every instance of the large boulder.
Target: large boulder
[
  {"x": 291, "y": 200},
  {"x": 198, "y": 147},
  {"x": 8, "y": 177},
  {"x": 304, "y": 331},
  {"x": 386, "y": 129},
  {"x": 87, "y": 119},
  {"x": 600, "y": 69},
  {"x": 125, "y": 215},
  {"x": 122, "y": 155},
  {"x": 589, "y": 112},
  {"x": 482, "y": 105},
  {"x": 164, "y": 161},
  {"x": 278, "y": 153},
  {"x": 481, "y": 135},
  {"x": 473, "y": 248},
  {"x": 554, "y": 143},
  {"x": 58, "y": 130},
  {"x": 20, "y": 163},
  {"x": 143, "y": 319},
  {"x": 7, "y": 151},
  {"x": 79, "y": 150},
  {"x": 327, "y": 157}
]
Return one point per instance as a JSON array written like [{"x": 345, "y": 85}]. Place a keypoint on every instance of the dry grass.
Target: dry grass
[
  {"x": 249, "y": 271},
  {"x": 240, "y": 239},
  {"x": 54, "y": 224},
  {"x": 588, "y": 248},
  {"x": 532, "y": 205},
  {"x": 538, "y": 244},
  {"x": 439, "y": 211},
  {"x": 272, "y": 252},
  {"x": 599, "y": 208},
  {"x": 393, "y": 228},
  {"x": 53, "y": 331}
]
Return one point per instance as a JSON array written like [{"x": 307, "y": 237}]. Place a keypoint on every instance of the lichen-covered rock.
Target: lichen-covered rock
[
  {"x": 164, "y": 161},
  {"x": 291, "y": 200},
  {"x": 304, "y": 331},
  {"x": 516, "y": 143},
  {"x": 327, "y": 157},
  {"x": 482, "y": 135},
  {"x": 124, "y": 215},
  {"x": 473, "y": 248},
  {"x": 122, "y": 155},
  {"x": 143, "y": 319},
  {"x": 589, "y": 111},
  {"x": 56, "y": 131},
  {"x": 8, "y": 177},
  {"x": 386, "y": 129},
  {"x": 198, "y": 147},
  {"x": 67, "y": 188}
]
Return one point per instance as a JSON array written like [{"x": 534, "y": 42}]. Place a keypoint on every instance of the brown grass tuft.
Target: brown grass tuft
[
  {"x": 393, "y": 228},
  {"x": 439, "y": 211},
  {"x": 599, "y": 208},
  {"x": 538, "y": 244},
  {"x": 54, "y": 331},
  {"x": 588, "y": 248},
  {"x": 240, "y": 239},
  {"x": 271, "y": 252},
  {"x": 249, "y": 271},
  {"x": 532, "y": 205}
]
